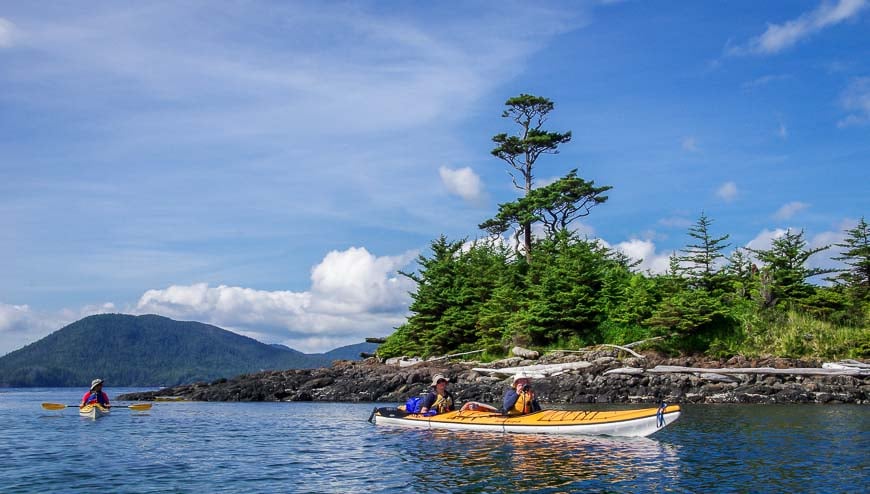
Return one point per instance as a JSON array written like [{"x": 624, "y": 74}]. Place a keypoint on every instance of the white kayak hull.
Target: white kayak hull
[
  {"x": 625, "y": 423},
  {"x": 94, "y": 411}
]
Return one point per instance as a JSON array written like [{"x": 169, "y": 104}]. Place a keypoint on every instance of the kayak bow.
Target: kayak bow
[{"x": 93, "y": 411}]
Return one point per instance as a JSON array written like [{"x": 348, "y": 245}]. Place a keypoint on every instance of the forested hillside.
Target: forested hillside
[{"x": 148, "y": 350}]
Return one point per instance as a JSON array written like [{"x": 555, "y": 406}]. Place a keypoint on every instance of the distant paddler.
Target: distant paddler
[{"x": 96, "y": 395}]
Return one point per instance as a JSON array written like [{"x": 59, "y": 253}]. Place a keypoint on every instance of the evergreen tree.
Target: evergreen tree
[
  {"x": 556, "y": 205},
  {"x": 432, "y": 299},
  {"x": 566, "y": 275},
  {"x": 699, "y": 261},
  {"x": 521, "y": 151},
  {"x": 785, "y": 263},
  {"x": 856, "y": 255}
]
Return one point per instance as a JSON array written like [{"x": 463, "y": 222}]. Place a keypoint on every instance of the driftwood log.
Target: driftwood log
[{"x": 537, "y": 371}]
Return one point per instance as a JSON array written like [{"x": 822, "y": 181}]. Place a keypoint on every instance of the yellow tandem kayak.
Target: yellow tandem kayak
[{"x": 635, "y": 423}]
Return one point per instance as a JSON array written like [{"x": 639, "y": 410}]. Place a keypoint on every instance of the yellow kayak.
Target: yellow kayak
[
  {"x": 637, "y": 423},
  {"x": 93, "y": 411}
]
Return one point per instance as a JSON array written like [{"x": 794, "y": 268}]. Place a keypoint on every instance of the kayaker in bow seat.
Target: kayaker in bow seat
[
  {"x": 96, "y": 394},
  {"x": 519, "y": 399},
  {"x": 439, "y": 399}
]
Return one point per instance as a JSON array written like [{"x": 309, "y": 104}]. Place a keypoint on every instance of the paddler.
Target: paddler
[
  {"x": 96, "y": 394},
  {"x": 439, "y": 399},
  {"x": 519, "y": 399}
]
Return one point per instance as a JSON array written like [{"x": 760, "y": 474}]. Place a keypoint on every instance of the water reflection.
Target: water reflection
[{"x": 470, "y": 462}]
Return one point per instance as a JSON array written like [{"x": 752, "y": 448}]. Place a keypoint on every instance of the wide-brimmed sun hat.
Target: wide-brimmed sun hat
[
  {"x": 96, "y": 382},
  {"x": 439, "y": 377},
  {"x": 518, "y": 376}
]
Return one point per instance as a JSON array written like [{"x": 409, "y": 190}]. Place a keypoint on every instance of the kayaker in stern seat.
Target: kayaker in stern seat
[
  {"x": 519, "y": 399},
  {"x": 439, "y": 399},
  {"x": 96, "y": 394}
]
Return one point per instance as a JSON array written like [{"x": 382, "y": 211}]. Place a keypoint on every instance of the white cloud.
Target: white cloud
[
  {"x": 689, "y": 144},
  {"x": 727, "y": 191},
  {"x": 764, "y": 240},
  {"x": 778, "y": 37},
  {"x": 302, "y": 72},
  {"x": 462, "y": 182},
  {"x": 782, "y": 132},
  {"x": 14, "y": 317},
  {"x": 790, "y": 209},
  {"x": 353, "y": 294},
  {"x": 856, "y": 100},
  {"x": 645, "y": 251},
  {"x": 7, "y": 33}
]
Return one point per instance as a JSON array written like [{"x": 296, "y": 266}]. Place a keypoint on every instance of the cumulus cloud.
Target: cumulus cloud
[
  {"x": 645, "y": 251},
  {"x": 7, "y": 33},
  {"x": 790, "y": 209},
  {"x": 727, "y": 191},
  {"x": 462, "y": 182},
  {"x": 778, "y": 37},
  {"x": 353, "y": 294},
  {"x": 13, "y": 317},
  {"x": 856, "y": 100},
  {"x": 764, "y": 239}
]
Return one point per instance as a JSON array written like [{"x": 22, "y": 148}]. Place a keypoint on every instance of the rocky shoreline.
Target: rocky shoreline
[{"x": 373, "y": 381}]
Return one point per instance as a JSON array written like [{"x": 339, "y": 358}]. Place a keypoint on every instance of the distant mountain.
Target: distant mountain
[
  {"x": 149, "y": 350},
  {"x": 350, "y": 352}
]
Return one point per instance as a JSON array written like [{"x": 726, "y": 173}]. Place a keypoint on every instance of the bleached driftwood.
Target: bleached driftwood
[
  {"x": 539, "y": 370},
  {"x": 624, "y": 348},
  {"x": 454, "y": 355},
  {"x": 621, "y": 347},
  {"x": 409, "y": 361},
  {"x": 845, "y": 364},
  {"x": 709, "y": 376},
  {"x": 525, "y": 353},
  {"x": 715, "y": 376},
  {"x": 810, "y": 371},
  {"x": 633, "y": 371},
  {"x": 641, "y": 342}
]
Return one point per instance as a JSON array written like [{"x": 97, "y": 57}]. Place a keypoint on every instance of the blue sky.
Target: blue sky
[{"x": 269, "y": 166}]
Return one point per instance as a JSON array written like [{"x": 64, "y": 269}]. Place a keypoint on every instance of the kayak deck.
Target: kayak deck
[{"x": 639, "y": 422}]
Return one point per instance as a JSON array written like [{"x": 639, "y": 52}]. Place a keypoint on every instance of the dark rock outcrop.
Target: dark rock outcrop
[{"x": 372, "y": 381}]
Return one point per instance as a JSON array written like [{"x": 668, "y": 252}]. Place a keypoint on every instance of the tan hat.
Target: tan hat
[
  {"x": 95, "y": 383},
  {"x": 438, "y": 377},
  {"x": 518, "y": 376}
]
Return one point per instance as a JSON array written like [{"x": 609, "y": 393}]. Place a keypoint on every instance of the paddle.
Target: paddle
[{"x": 138, "y": 407}]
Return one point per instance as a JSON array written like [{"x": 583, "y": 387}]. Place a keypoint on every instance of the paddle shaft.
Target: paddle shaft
[{"x": 60, "y": 406}]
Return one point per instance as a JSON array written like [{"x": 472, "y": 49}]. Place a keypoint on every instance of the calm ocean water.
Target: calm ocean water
[{"x": 329, "y": 447}]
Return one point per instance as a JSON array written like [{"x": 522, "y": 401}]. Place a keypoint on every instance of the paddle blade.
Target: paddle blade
[
  {"x": 141, "y": 406},
  {"x": 53, "y": 406}
]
